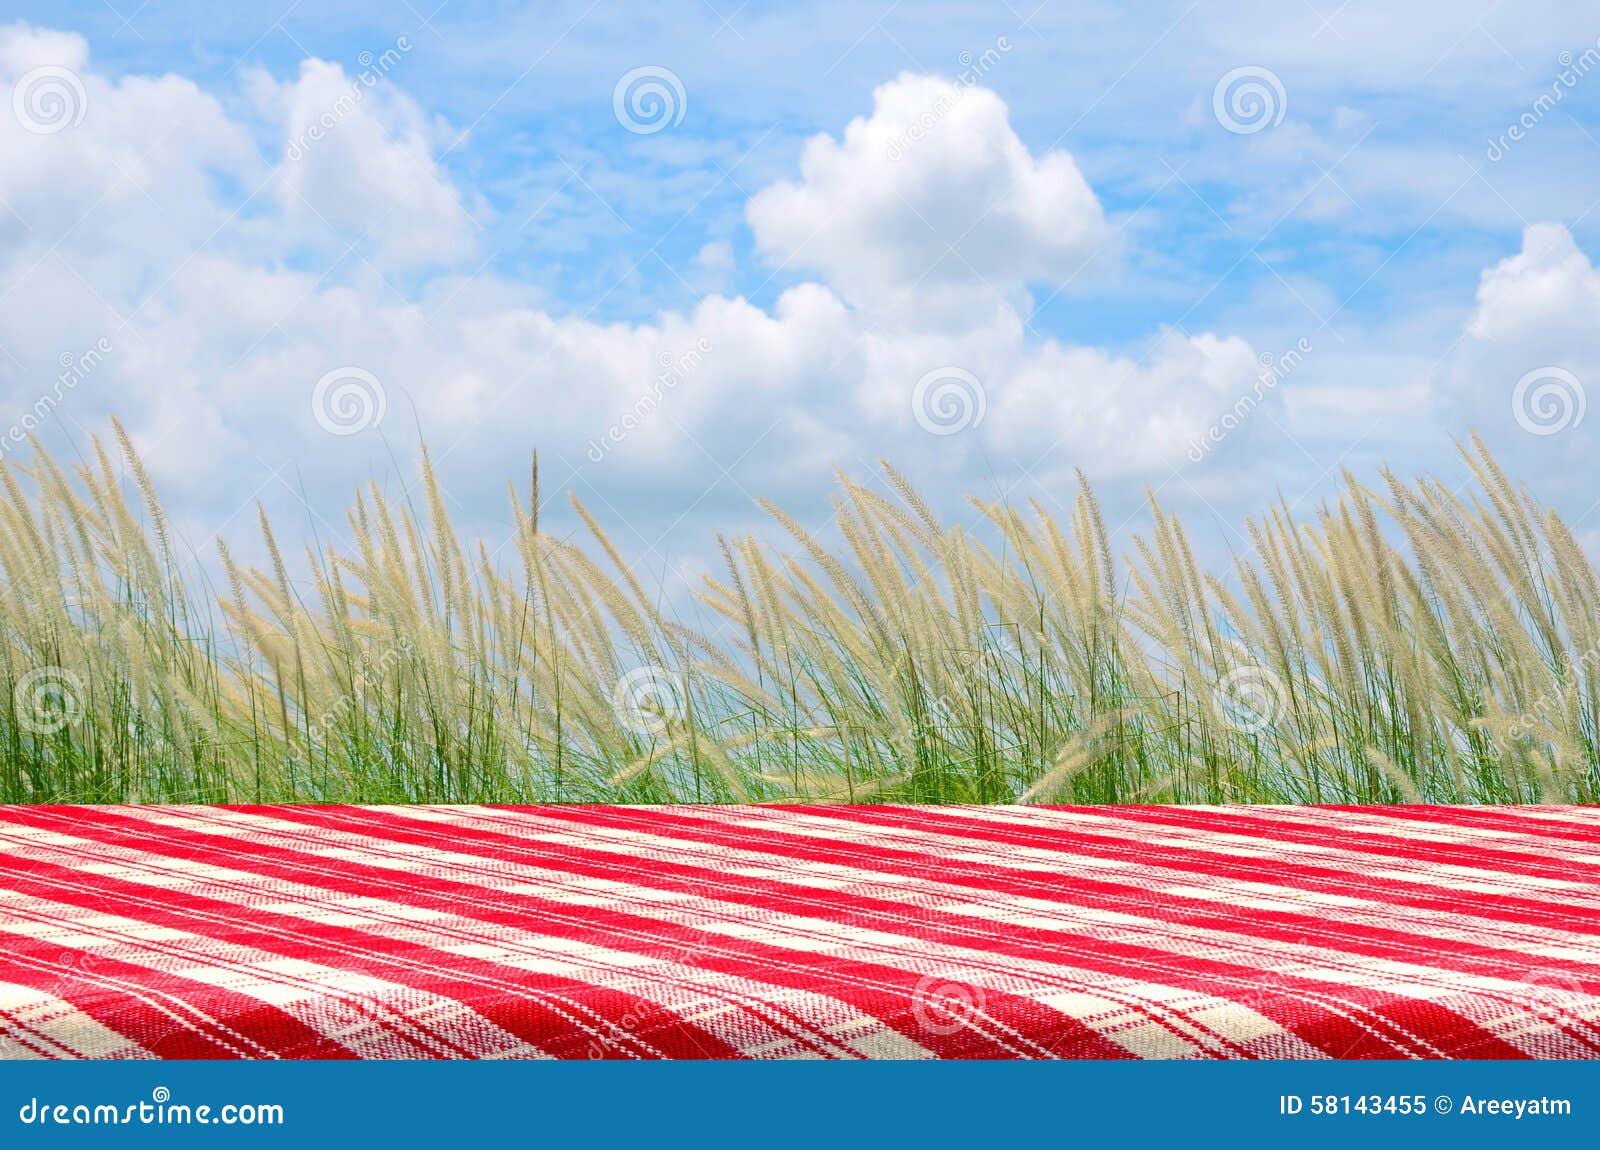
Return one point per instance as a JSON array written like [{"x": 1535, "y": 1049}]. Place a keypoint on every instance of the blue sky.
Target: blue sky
[{"x": 1052, "y": 217}]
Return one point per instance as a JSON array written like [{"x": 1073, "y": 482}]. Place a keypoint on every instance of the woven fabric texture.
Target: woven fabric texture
[{"x": 786, "y": 932}]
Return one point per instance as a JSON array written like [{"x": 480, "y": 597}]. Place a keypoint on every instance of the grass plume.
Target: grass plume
[{"x": 1403, "y": 643}]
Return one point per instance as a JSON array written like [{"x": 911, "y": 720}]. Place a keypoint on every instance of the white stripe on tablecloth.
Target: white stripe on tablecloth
[
  {"x": 1536, "y": 942},
  {"x": 1464, "y": 993},
  {"x": 674, "y": 908},
  {"x": 1033, "y": 978},
  {"x": 1138, "y": 875},
  {"x": 746, "y": 1014},
  {"x": 1329, "y": 843},
  {"x": 319, "y": 996},
  {"x": 35, "y": 1024},
  {"x": 1239, "y": 845},
  {"x": 984, "y": 969}
]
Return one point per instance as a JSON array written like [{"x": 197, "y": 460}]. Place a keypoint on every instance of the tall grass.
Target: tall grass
[{"x": 1402, "y": 644}]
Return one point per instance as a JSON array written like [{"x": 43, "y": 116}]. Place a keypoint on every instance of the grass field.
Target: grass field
[{"x": 1403, "y": 644}]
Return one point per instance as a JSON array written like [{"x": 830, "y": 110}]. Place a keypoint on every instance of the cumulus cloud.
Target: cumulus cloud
[
  {"x": 358, "y": 154},
  {"x": 1529, "y": 358},
  {"x": 1140, "y": 415},
  {"x": 125, "y": 169},
  {"x": 933, "y": 188},
  {"x": 1548, "y": 291},
  {"x": 128, "y": 230}
]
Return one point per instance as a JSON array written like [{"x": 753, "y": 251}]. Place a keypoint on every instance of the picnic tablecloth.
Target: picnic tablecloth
[{"x": 820, "y": 931}]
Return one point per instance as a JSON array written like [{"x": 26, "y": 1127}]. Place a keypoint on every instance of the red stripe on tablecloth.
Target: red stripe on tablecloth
[
  {"x": 1509, "y": 964},
  {"x": 615, "y": 930},
  {"x": 1301, "y": 872},
  {"x": 881, "y": 989},
  {"x": 1581, "y": 823},
  {"x": 526, "y": 1015},
  {"x": 1196, "y": 973},
  {"x": 179, "y": 1018},
  {"x": 520, "y": 1009},
  {"x": 1275, "y": 825},
  {"x": 1259, "y": 825},
  {"x": 760, "y": 895},
  {"x": 1114, "y": 891},
  {"x": 868, "y": 985},
  {"x": 864, "y": 983}
]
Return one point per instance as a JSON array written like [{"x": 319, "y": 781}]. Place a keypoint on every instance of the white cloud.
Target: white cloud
[
  {"x": 1548, "y": 291},
  {"x": 935, "y": 167},
  {"x": 1126, "y": 416},
  {"x": 358, "y": 155},
  {"x": 131, "y": 179},
  {"x": 138, "y": 225},
  {"x": 716, "y": 256},
  {"x": 1529, "y": 359},
  {"x": 23, "y": 48}
]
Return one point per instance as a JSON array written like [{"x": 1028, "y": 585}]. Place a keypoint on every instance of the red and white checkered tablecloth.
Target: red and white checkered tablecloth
[{"x": 775, "y": 932}]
